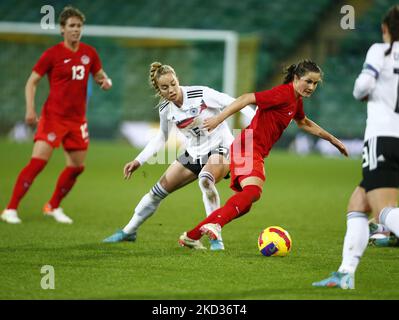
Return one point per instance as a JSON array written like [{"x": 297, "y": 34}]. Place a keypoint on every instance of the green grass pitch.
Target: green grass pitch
[{"x": 305, "y": 195}]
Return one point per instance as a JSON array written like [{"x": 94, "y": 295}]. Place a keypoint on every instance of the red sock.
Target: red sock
[
  {"x": 65, "y": 183},
  {"x": 235, "y": 207},
  {"x": 25, "y": 180}
]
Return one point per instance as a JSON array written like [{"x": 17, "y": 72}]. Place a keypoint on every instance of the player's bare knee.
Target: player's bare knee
[
  {"x": 164, "y": 183},
  {"x": 358, "y": 201},
  {"x": 358, "y": 207},
  {"x": 359, "y": 204}
]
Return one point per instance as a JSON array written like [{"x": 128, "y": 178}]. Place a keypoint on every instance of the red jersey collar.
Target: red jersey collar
[{"x": 66, "y": 48}]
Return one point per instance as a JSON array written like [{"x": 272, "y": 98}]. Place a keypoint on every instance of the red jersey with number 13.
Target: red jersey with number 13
[{"x": 68, "y": 73}]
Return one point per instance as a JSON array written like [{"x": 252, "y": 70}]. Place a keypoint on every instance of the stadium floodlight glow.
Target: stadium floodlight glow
[{"x": 230, "y": 39}]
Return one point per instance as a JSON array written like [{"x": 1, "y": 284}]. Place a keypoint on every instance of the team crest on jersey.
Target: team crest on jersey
[
  {"x": 85, "y": 59},
  {"x": 193, "y": 112},
  {"x": 51, "y": 136}
]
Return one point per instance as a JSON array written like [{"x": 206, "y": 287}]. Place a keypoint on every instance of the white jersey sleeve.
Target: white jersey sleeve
[
  {"x": 157, "y": 142},
  {"x": 216, "y": 99},
  {"x": 364, "y": 85},
  {"x": 248, "y": 112},
  {"x": 374, "y": 60},
  {"x": 222, "y": 100},
  {"x": 366, "y": 81}
]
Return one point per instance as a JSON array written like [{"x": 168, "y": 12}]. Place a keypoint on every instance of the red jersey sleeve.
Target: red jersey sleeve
[
  {"x": 276, "y": 96},
  {"x": 300, "y": 113},
  {"x": 96, "y": 66},
  {"x": 44, "y": 64}
]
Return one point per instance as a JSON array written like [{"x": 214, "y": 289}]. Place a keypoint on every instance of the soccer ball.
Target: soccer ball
[{"x": 274, "y": 241}]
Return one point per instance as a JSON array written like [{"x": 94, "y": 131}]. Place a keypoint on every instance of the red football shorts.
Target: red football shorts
[
  {"x": 245, "y": 162},
  {"x": 73, "y": 135}
]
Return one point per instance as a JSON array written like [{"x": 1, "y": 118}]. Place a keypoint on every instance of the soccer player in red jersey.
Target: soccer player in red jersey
[
  {"x": 276, "y": 108},
  {"x": 63, "y": 117}
]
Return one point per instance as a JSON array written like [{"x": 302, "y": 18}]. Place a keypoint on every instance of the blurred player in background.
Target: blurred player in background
[
  {"x": 377, "y": 193},
  {"x": 206, "y": 157},
  {"x": 63, "y": 118},
  {"x": 276, "y": 108}
]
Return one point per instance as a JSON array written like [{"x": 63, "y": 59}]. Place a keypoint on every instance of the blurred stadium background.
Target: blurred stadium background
[
  {"x": 272, "y": 34},
  {"x": 305, "y": 195}
]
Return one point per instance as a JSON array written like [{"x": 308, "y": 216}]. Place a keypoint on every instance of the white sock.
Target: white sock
[
  {"x": 355, "y": 242},
  {"x": 145, "y": 208},
  {"x": 389, "y": 217},
  {"x": 381, "y": 228},
  {"x": 210, "y": 195}
]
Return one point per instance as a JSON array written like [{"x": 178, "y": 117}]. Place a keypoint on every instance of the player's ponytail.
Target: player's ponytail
[
  {"x": 153, "y": 70},
  {"x": 158, "y": 69},
  {"x": 391, "y": 20},
  {"x": 290, "y": 73},
  {"x": 300, "y": 69}
]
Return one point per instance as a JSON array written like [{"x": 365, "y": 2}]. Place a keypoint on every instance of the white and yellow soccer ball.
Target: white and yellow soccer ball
[{"x": 274, "y": 241}]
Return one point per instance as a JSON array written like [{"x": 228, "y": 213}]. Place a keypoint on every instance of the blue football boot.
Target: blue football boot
[
  {"x": 387, "y": 241},
  {"x": 337, "y": 280},
  {"x": 120, "y": 236},
  {"x": 217, "y": 245}
]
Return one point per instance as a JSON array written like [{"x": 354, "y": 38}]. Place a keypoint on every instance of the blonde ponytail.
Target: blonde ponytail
[{"x": 153, "y": 70}]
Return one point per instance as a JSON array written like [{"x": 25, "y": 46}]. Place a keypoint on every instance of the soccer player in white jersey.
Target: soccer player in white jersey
[
  {"x": 206, "y": 157},
  {"x": 377, "y": 193}
]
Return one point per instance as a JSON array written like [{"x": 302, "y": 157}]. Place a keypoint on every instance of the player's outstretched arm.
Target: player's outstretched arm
[
  {"x": 103, "y": 80},
  {"x": 311, "y": 127},
  {"x": 30, "y": 93},
  {"x": 237, "y": 105}
]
